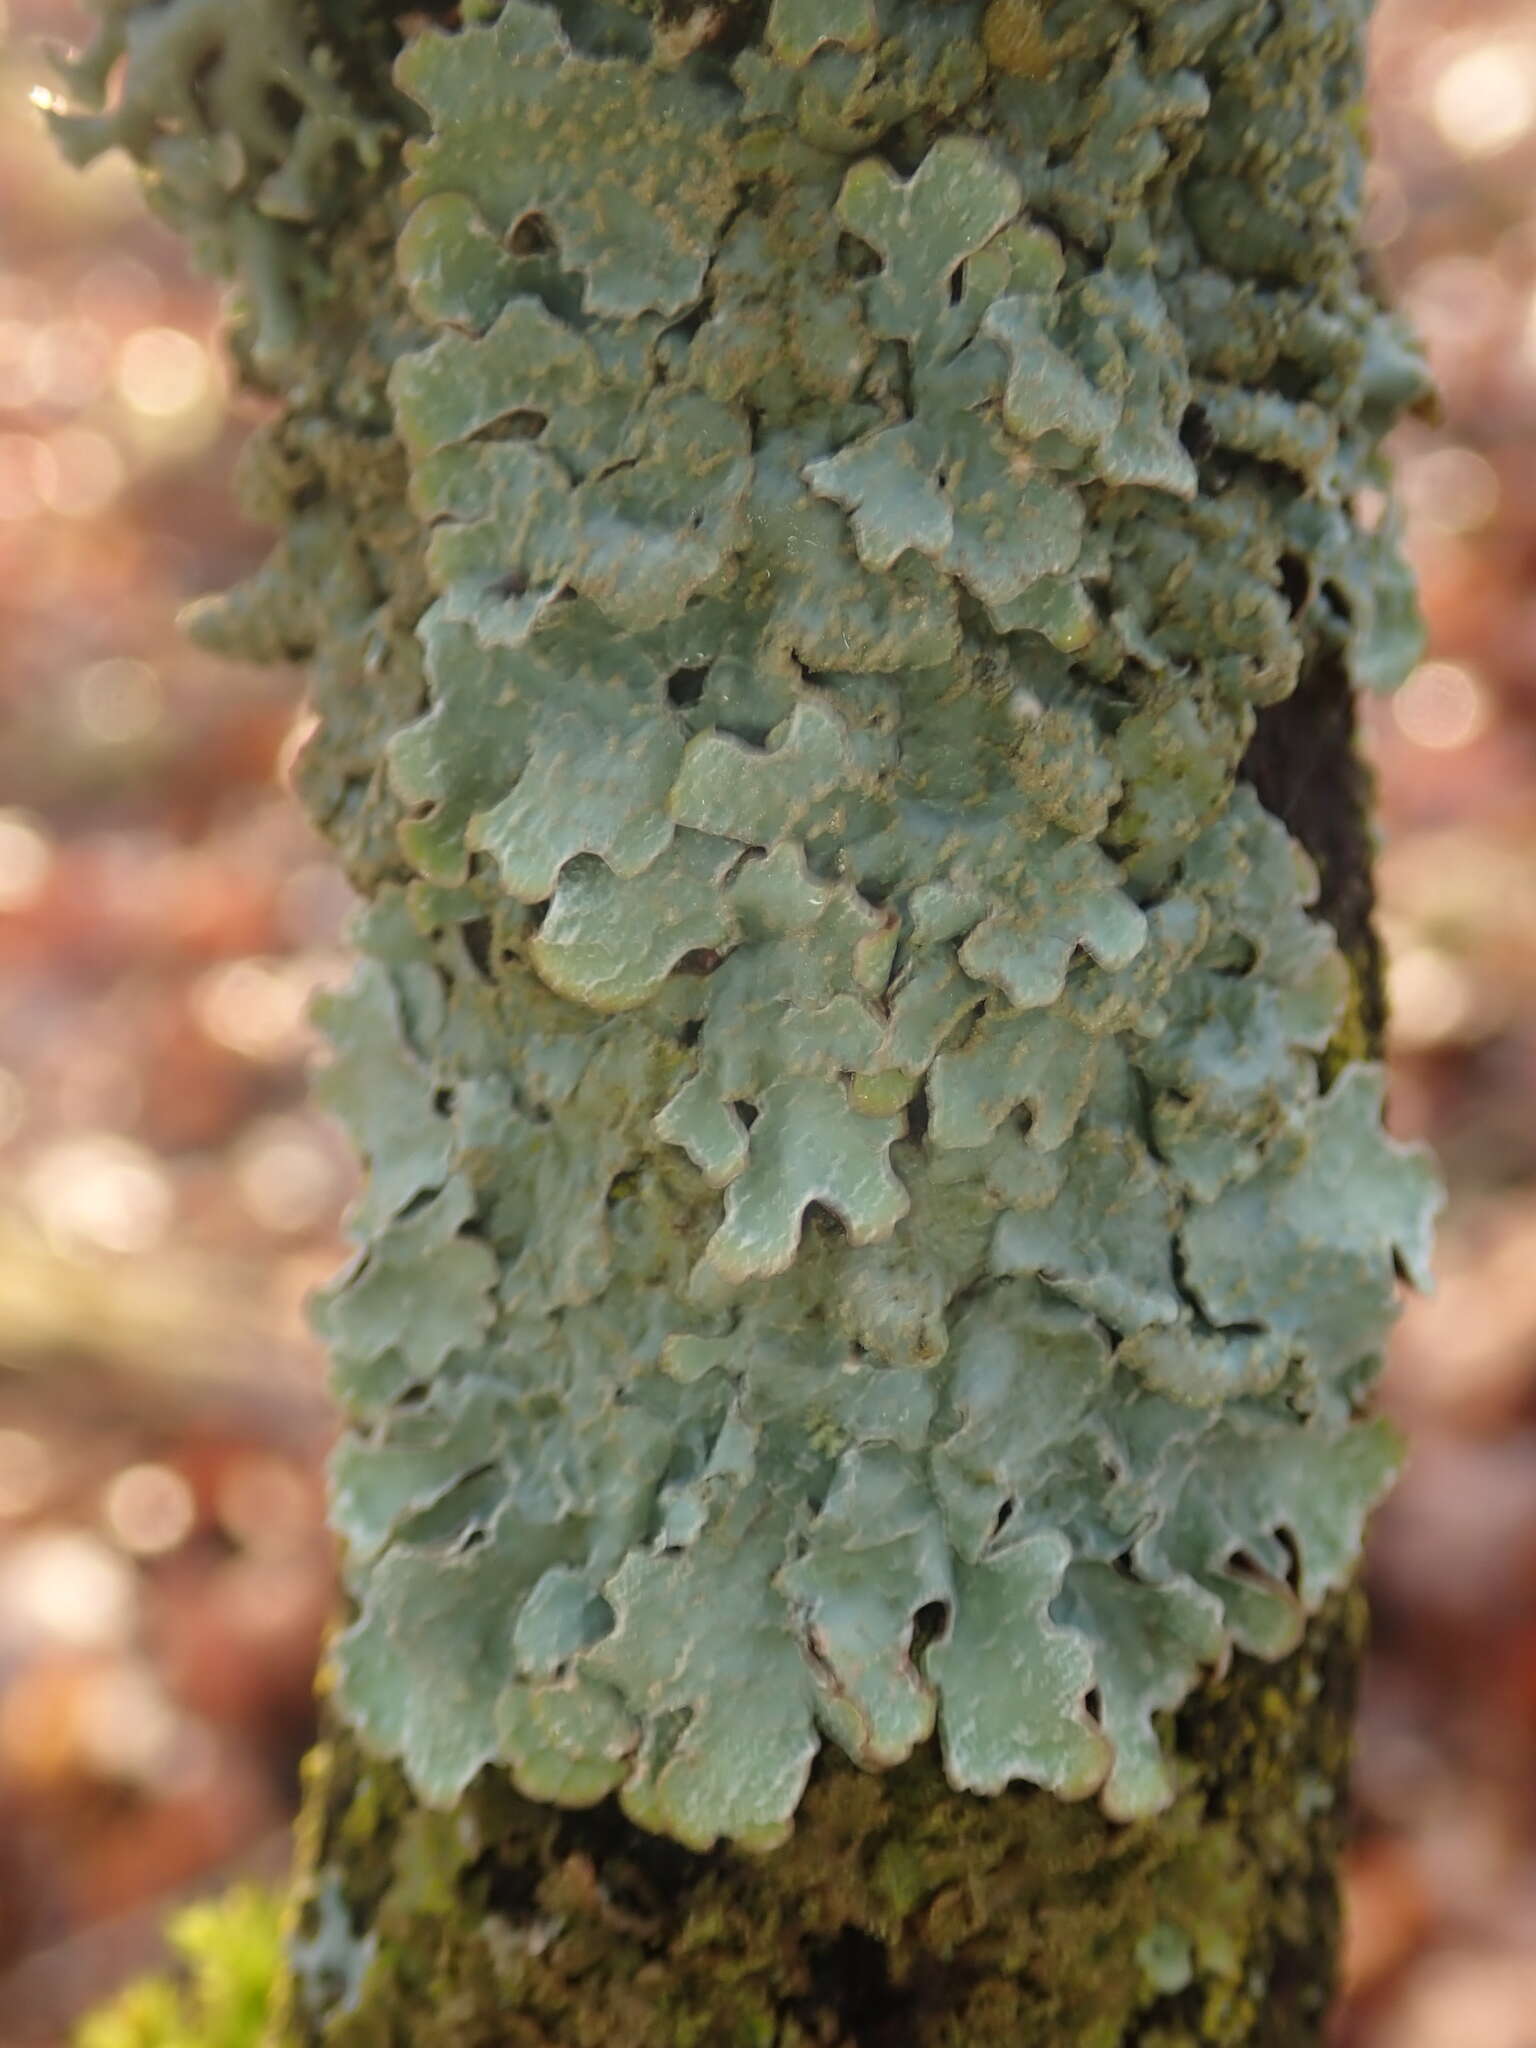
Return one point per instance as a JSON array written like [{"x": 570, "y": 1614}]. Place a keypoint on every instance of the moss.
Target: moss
[
  {"x": 899, "y": 1910},
  {"x": 230, "y": 1960}
]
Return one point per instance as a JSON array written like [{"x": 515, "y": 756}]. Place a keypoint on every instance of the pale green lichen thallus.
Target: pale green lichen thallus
[{"x": 850, "y": 1069}]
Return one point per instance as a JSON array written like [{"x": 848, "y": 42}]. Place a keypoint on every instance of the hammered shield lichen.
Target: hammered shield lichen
[{"x": 859, "y": 1236}]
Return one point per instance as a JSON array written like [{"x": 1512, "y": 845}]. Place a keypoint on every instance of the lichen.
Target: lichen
[
  {"x": 889, "y": 851},
  {"x": 245, "y": 129},
  {"x": 869, "y": 1229},
  {"x": 898, "y": 1908}
]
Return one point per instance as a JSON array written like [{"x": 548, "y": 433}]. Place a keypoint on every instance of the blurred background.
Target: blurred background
[{"x": 167, "y": 1200}]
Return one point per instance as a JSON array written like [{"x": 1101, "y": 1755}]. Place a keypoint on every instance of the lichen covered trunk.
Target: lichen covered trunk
[
  {"x": 900, "y": 1914},
  {"x": 835, "y": 541}
]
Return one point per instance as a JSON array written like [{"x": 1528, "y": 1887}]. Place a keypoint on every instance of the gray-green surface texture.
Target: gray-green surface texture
[{"x": 879, "y": 1225}]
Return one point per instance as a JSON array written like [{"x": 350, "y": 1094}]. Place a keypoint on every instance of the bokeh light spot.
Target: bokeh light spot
[
  {"x": 255, "y": 1007},
  {"x": 117, "y": 702},
  {"x": 88, "y": 473},
  {"x": 99, "y": 1192},
  {"x": 1484, "y": 100},
  {"x": 149, "y": 1510},
  {"x": 26, "y": 860},
  {"x": 64, "y": 1586},
  {"x": 1430, "y": 998},
  {"x": 119, "y": 290},
  {"x": 127, "y": 1727},
  {"x": 1455, "y": 490},
  {"x": 162, "y": 372},
  {"x": 69, "y": 361},
  {"x": 1442, "y": 706},
  {"x": 285, "y": 1178}
]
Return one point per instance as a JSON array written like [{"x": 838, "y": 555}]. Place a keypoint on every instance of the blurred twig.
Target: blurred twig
[{"x": 181, "y": 1332}]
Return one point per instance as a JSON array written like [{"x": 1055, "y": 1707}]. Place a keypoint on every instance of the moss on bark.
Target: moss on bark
[{"x": 902, "y": 1914}]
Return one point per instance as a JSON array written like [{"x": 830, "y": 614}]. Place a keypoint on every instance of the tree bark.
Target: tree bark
[
  {"x": 901, "y": 1914},
  {"x": 964, "y": 423}
]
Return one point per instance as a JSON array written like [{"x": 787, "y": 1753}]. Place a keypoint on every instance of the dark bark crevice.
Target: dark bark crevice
[{"x": 1305, "y": 764}]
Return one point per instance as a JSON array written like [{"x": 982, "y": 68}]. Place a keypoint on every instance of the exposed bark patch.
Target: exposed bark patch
[{"x": 1305, "y": 764}]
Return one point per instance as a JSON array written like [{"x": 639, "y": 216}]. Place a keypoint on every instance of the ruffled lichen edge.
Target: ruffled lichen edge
[{"x": 897, "y": 1901}]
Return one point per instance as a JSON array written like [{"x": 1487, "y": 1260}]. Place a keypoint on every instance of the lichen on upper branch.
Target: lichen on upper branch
[{"x": 240, "y": 122}]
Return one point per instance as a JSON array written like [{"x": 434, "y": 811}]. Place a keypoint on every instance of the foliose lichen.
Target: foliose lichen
[
  {"x": 237, "y": 117},
  {"x": 867, "y": 1230},
  {"x": 898, "y": 1909}
]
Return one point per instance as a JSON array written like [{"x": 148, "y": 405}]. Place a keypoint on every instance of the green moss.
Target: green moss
[
  {"x": 979, "y": 1922},
  {"x": 230, "y": 1959}
]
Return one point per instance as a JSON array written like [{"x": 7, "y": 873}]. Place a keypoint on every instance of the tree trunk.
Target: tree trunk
[
  {"x": 900, "y": 1914},
  {"x": 835, "y": 542}
]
